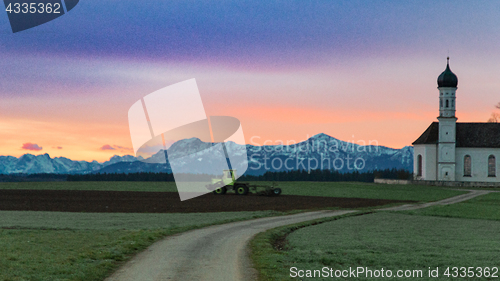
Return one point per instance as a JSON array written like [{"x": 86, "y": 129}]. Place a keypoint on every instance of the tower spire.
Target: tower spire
[{"x": 447, "y": 86}]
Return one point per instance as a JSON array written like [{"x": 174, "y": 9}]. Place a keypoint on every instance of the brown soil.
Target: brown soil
[{"x": 168, "y": 202}]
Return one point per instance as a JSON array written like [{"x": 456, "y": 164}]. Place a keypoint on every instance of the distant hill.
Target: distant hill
[{"x": 332, "y": 153}]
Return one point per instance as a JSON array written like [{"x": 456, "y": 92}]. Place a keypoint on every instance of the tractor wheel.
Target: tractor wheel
[
  {"x": 276, "y": 191},
  {"x": 221, "y": 190},
  {"x": 241, "y": 189}
]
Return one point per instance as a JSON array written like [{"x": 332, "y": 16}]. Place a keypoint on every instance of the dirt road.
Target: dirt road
[
  {"x": 212, "y": 253},
  {"x": 447, "y": 201}
]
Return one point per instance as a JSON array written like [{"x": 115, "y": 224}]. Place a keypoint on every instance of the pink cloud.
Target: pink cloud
[
  {"x": 122, "y": 148},
  {"x": 57, "y": 147},
  {"x": 116, "y": 147},
  {"x": 31, "y": 146},
  {"x": 107, "y": 147}
]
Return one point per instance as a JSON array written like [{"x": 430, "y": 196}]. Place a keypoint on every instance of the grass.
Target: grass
[
  {"x": 369, "y": 190},
  {"x": 68, "y": 254},
  {"x": 117, "y": 221},
  {"x": 267, "y": 248},
  {"x": 384, "y": 240},
  {"x": 330, "y": 189},
  {"x": 491, "y": 188},
  {"x": 482, "y": 207},
  {"x": 87, "y": 246}
]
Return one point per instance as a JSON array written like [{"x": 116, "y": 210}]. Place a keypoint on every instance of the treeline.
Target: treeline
[
  {"x": 143, "y": 176},
  {"x": 328, "y": 175},
  {"x": 298, "y": 175},
  {"x": 393, "y": 174},
  {"x": 31, "y": 177}
]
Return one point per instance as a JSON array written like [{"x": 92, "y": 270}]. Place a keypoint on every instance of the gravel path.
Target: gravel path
[
  {"x": 212, "y": 253},
  {"x": 447, "y": 201}
]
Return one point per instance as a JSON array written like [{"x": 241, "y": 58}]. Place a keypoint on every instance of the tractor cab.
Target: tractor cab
[{"x": 228, "y": 177}]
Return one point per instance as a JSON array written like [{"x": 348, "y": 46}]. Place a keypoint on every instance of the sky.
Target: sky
[{"x": 360, "y": 71}]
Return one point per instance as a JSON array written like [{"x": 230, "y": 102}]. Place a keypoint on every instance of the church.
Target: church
[{"x": 451, "y": 151}]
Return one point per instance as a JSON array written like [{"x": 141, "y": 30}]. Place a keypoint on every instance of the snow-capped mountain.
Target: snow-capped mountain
[
  {"x": 325, "y": 152},
  {"x": 31, "y": 164},
  {"x": 318, "y": 152}
]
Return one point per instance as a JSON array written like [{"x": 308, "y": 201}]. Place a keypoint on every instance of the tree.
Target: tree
[{"x": 495, "y": 116}]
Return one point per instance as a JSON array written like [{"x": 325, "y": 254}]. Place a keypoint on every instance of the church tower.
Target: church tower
[{"x": 447, "y": 86}]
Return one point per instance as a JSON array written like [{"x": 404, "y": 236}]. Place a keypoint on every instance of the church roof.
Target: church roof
[
  {"x": 485, "y": 135},
  {"x": 430, "y": 136}
]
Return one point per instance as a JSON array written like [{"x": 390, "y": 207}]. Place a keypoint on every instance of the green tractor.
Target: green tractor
[{"x": 228, "y": 182}]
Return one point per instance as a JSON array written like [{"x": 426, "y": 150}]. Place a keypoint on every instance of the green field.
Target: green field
[
  {"x": 385, "y": 240},
  {"x": 330, "y": 189},
  {"x": 482, "y": 207},
  {"x": 118, "y": 221},
  {"x": 87, "y": 246},
  {"x": 369, "y": 190}
]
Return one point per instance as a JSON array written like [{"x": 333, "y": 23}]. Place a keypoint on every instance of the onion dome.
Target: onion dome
[{"x": 447, "y": 78}]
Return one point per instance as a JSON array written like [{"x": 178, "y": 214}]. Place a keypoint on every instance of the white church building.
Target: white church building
[{"x": 453, "y": 151}]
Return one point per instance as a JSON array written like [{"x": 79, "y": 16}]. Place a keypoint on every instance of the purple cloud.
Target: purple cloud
[{"x": 31, "y": 146}]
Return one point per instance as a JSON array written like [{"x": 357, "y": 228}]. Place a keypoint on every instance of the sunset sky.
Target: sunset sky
[{"x": 355, "y": 70}]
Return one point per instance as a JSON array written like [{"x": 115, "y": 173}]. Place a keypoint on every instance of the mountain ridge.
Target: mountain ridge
[{"x": 320, "y": 148}]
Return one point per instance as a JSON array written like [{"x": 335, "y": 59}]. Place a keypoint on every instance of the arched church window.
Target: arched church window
[
  {"x": 452, "y": 103},
  {"x": 419, "y": 165},
  {"x": 447, "y": 103},
  {"x": 467, "y": 166},
  {"x": 440, "y": 103},
  {"x": 492, "y": 166}
]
